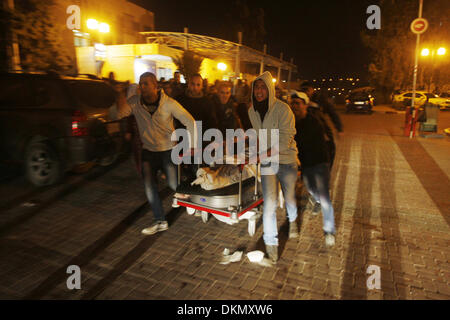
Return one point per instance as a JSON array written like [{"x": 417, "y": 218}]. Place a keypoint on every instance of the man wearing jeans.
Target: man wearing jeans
[
  {"x": 315, "y": 159},
  {"x": 267, "y": 112},
  {"x": 154, "y": 112}
]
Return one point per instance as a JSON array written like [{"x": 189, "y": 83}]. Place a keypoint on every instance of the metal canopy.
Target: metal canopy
[{"x": 214, "y": 48}]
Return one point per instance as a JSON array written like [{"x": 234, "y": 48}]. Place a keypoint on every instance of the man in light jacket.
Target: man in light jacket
[
  {"x": 267, "y": 112},
  {"x": 154, "y": 112}
]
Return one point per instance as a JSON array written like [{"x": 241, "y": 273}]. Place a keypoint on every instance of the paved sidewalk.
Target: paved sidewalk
[{"x": 391, "y": 197}]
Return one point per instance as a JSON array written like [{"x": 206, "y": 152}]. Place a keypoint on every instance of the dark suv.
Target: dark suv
[
  {"x": 51, "y": 124},
  {"x": 359, "y": 101}
]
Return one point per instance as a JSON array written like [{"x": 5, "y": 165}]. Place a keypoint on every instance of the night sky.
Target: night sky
[{"x": 323, "y": 36}]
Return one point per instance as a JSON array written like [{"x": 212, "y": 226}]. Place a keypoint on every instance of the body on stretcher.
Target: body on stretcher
[{"x": 231, "y": 204}]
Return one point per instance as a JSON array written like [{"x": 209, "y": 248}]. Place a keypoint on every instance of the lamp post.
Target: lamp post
[
  {"x": 99, "y": 48},
  {"x": 222, "y": 67},
  {"x": 100, "y": 27},
  {"x": 441, "y": 51}
]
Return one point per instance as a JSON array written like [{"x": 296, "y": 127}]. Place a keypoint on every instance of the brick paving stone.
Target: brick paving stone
[
  {"x": 288, "y": 292},
  {"x": 216, "y": 289},
  {"x": 249, "y": 282},
  {"x": 123, "y": 292},
  {"x": 435, "y": 296},
  {"x": 375, "y": 295},
  {"x": 204, "y": 269},
  {"x": 397, "y": 223},
  {"x": 444, "y": 288},
  {"x": 319, "y": 285}
]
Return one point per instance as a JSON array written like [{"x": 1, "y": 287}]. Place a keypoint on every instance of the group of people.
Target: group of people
[{"x": 304, "y": 138}]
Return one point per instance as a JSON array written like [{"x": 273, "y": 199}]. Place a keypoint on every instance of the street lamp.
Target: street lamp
[
  {"x": 92, "y": 24},
  {"x": 222, "y": 66},
  {"x": 441, "y": 51},
  {"x": 103, "y": 27},
  {"x": 425, "y": 52},
  {"x": 433, "y": 52}
]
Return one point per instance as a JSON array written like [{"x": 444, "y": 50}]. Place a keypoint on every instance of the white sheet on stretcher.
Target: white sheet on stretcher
[{"x": 225, "y": 175}]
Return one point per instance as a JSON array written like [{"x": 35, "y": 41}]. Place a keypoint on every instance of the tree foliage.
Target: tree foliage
[
  {"x": 246, "y": 19},
  {"x": 188, "y": 63},
  {"x": 40, "y": 39},
  {"x": 393, "y": 46}
]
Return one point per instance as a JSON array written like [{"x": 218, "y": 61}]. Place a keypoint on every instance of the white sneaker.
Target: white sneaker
[
  {"x": 157, "y": 226},
  {"x": 330, "y": 240}
]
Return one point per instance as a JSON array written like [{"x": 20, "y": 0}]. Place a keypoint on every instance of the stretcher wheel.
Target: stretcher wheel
[
  {"x": 251, "y": 227},
  {"x": 175, "y": 203},
  {"x": 205, "y": 216},
  {"x": 190, "y": 211}
]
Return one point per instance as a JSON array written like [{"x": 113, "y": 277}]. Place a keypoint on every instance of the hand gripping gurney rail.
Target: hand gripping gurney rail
[{"x": 230, "y": 204}]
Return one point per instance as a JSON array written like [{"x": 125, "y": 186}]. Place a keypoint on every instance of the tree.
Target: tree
[
  {"x": 393, "y": 46},
  {"x": 248, "y": 21},
  {"x": 40, "y": 42},
  {"x": 188, "y": 63},
  {"x": 4, "y": 18}
]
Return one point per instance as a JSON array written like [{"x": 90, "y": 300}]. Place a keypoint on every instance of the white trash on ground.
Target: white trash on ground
[
  {"x": 227, "y": 258},
  {"x": 255, "y": 256}
]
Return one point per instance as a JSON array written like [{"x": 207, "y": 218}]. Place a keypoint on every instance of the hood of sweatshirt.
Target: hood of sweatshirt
[{"x": 267, "y": 78}]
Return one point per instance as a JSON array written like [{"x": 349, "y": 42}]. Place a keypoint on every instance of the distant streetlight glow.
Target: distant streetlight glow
[
  {"x": 92, "y": 24},
  {"x": 425, "y": 52},
  {"x": 103, "y": 27},
  {"x": 222, "y": 66},
  {"x": 441, "y": 51}
]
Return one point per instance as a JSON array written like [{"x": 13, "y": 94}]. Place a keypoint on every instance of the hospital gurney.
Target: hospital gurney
[{"x": 231, "y": 204}]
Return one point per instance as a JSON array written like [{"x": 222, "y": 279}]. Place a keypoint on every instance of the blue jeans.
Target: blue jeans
[
  {"x": 151, "y": 163},
  {"x": 287, "y": 176},
  {"x": 317, "y": 181}
]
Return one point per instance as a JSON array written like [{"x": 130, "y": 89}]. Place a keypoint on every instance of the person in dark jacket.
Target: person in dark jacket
[
  {"x": 225, "y": 108},
  {"x": 176, "y": 87},
  {"x": 314, "y": 157},
  {"x": 320, "y": 104},
  {"x": 197, "y": 104},
  {"x": 325, "y": 104}
]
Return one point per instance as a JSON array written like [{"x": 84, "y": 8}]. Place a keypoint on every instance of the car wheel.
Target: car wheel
[{"x": 42, "y": 165}]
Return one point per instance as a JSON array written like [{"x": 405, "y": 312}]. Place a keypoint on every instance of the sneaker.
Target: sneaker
[
  {"x": 293, "y": 229},
  {"x": 272, "y": 252},
  {"x": 330, "y": 239},
  {"x": 316, "y": 209},
  {"x": 156, "y": 226}
]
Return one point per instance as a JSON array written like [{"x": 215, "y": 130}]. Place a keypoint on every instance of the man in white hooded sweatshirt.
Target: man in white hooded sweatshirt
[{"x": 280, "y": 165}]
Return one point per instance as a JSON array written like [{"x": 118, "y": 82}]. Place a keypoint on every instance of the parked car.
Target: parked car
[
  {"x": 400, "y": 101},
  {"x": 359, "y": 101},
  {"x": 443, "y": 101},
  {"x": 51, "y": 124}
]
